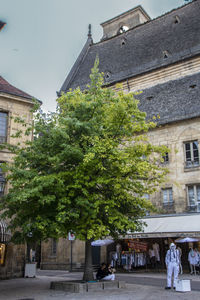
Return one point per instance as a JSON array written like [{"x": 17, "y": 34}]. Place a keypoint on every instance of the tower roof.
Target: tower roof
[{"x": 168, "y": 39}]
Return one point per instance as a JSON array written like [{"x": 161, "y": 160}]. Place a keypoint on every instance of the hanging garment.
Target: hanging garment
[
  {"x": 156, "y": 249},
  {"x": 193, "y": 257}
]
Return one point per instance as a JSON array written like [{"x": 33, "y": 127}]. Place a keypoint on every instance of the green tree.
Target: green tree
[{"x": 86, "y": 171}]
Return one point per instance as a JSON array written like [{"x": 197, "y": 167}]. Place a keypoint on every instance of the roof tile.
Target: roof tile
[{"x": 6, "y": 87}]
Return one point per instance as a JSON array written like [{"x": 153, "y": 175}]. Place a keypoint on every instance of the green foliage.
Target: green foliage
[{"x": 86, "y": 170}]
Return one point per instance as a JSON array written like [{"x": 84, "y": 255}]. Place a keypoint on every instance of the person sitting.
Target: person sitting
[
  {"x": 110, "y": 273},
  {"x": 105, "y": 272}
]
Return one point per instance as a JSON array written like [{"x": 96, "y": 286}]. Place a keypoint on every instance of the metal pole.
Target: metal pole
[{"x": 71, "y": 258}]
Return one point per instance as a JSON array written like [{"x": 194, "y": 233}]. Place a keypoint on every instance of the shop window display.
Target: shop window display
[
  {"x": 134, "y": 254},
  {"x": 2, "y": 254}
]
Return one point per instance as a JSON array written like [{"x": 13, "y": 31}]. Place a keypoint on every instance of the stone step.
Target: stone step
[{"x": 78, "y": 286}]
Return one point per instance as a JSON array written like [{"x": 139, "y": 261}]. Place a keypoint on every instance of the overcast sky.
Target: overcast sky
[{"x": 43, "y": 38}]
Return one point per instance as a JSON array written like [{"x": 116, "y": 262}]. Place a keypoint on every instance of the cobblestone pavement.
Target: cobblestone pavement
[{"x": 38, "y": 288}]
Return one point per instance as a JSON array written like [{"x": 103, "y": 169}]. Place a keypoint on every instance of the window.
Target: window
[
  {"x": 3, "y": 126},
  {"x": 54, "y": 247},
  {"x": 166, "y": 158},
  {"x": 194, "y": 197},
  {"x": 167, "y": 197},
  {"x": 146, "y": 196},
  {"x": 192, "y": 154},
  {"x": 176, "y": 20},
  {"x": 123, "y": 29},
  {"x": 165, "y": 54}
]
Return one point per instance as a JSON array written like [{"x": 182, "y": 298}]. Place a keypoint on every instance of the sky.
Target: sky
[{"x": 43, "y": 38}]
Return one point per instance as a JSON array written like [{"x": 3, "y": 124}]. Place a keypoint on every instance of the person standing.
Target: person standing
[{"x": 172, "y": 261}]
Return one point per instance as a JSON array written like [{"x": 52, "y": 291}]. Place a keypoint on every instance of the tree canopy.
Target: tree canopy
[{"x": 87, "y": 168}]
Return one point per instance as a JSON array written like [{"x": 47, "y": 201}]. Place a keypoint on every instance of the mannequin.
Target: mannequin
[{"x": 193, "y": 258}]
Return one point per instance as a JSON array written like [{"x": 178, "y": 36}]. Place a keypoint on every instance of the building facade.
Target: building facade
[
  {"x": 13, "y": 103},
  {"x": 161, "y": 58}
]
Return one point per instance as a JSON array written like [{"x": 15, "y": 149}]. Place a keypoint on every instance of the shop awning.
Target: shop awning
[
  {"x": 5, "y": 234},
  {"x": 169, "y": 226}
]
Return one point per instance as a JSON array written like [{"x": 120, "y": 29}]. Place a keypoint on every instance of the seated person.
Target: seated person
[{"x": 105, "y": 272}]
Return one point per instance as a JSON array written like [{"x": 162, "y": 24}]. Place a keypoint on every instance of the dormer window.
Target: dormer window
[
  {"x": 193, "y": 86},
  {"x": 176, "y": 20},
  {"x": 165, "y": 54},
  {"x": 107, "y": 75},
  {"x": 123, "y": 42},
  {"x": 149, "y": 97}
]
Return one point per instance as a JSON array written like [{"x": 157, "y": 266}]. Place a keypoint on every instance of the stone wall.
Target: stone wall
[
  {"x": 173, "y": 136},
  {"x": 61, "y": 260},
  {"x": 15, "y": 107},
  {"x": 14, "y": 262}
]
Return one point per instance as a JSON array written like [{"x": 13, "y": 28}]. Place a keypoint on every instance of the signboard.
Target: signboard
[
  {"x": 71, "y": 236},
  {"x": 136, "y": 245}
]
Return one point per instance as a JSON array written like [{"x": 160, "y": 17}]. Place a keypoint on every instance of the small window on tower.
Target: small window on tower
[{"x": 123, "y": 29}]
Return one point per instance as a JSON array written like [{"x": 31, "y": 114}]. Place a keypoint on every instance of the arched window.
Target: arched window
[{"x": 123, "y": 29}]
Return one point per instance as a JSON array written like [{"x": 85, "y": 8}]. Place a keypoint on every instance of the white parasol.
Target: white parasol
[
  {"x": 187, "y": 240},
  {"x": 102, "y": 242}
]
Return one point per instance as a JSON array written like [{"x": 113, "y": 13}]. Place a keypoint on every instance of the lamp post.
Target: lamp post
[{"x": 71, "y": 238}]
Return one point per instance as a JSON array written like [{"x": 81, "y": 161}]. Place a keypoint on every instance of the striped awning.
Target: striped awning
[{"x": 5, "y": 234}]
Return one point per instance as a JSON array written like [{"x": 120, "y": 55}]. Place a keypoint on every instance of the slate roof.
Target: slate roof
[
  {"x": 7, "y": 88},
  {"x": 143, "y": 48},
  {"x": 173, "y": 101}
]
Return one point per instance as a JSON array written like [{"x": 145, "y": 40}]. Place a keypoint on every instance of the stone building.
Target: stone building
[
  {"x": 160, "y": 57},
  {"x": 13, "y": 103}
]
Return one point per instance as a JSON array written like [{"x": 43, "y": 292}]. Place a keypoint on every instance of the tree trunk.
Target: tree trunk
[{"x": 88, "y": 269}]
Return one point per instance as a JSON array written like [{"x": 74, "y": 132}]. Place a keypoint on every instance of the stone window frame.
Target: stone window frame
[
  {"x": 195, "y": 206},
  {"x": 168, "y": 203},
  {"x": 194, "y": 161},
  {"x": 4, "y": 138}
]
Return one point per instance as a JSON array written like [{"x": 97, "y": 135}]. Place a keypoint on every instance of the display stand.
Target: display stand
[{"x": 30, "y": 269}]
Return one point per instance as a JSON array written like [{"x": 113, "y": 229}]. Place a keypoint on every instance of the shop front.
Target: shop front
[
  {"x": 146, "y": 250},
  {"x": 4, "y": 239}
]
